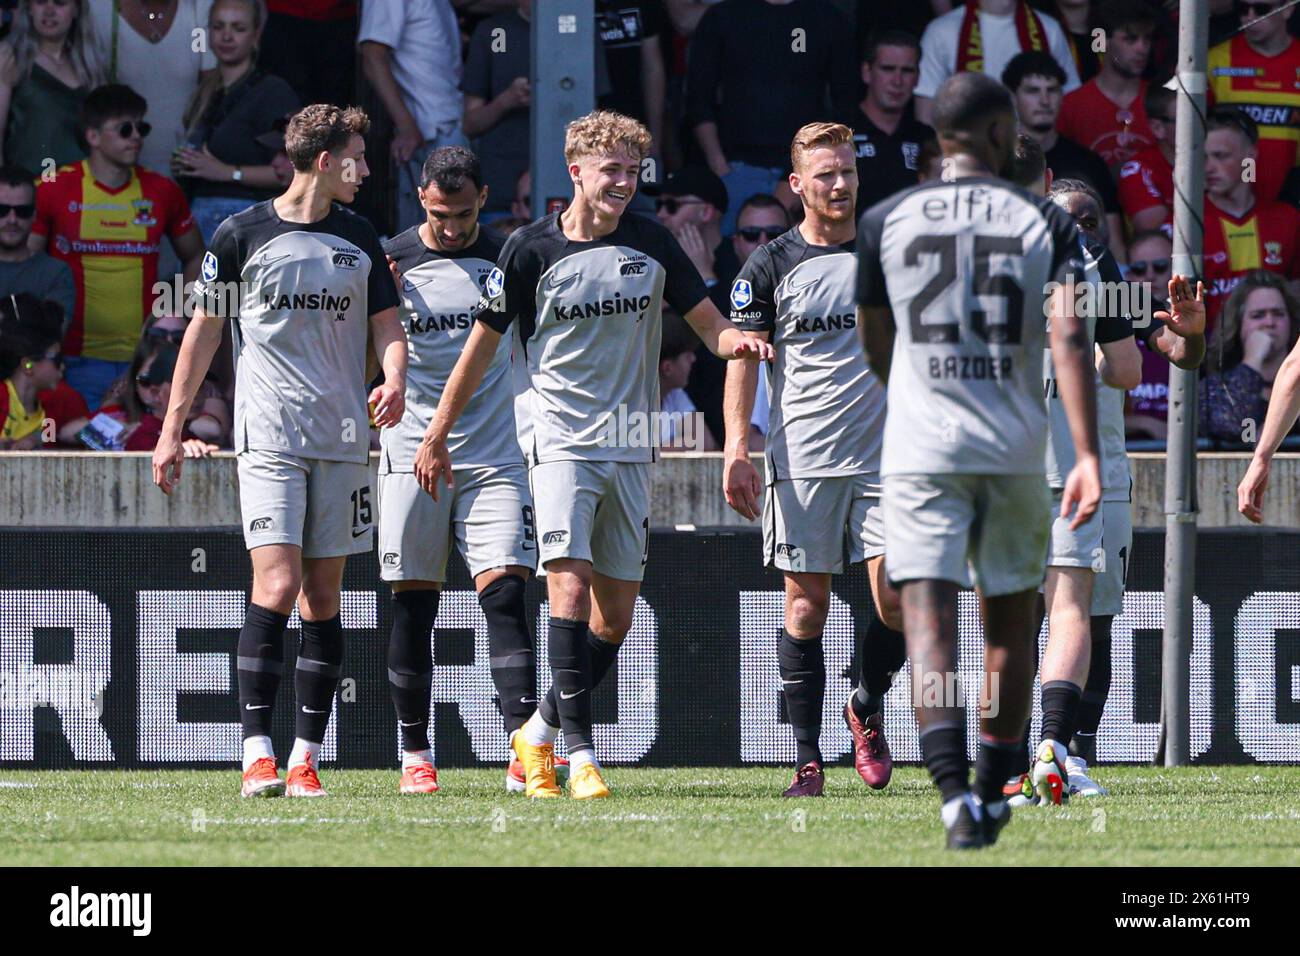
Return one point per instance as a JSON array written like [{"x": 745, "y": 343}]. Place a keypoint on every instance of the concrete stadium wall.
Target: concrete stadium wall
[{"x": 102, "y": 490}]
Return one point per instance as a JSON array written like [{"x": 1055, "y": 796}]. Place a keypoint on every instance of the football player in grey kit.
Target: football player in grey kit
[
  {"x": 305, "y": 284},
  {"x": 965, "y": 264},
  {"x": 822, "y": 452},
  {"x": 583, "y": 291},
  {"x": 442, "y": 265}
]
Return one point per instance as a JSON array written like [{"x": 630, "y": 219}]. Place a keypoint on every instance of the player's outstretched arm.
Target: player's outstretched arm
[
  {"x": 876, "y": 333},
  {"x": 1119, "y": 363},
  {"x": 1181, "y": 338},
  {"x": 1283, "y": 408},
  {"x": 740, "y": 481},
  {"x": 1072, "y": 357},
  {"x": 389, "y": 338},
  {"x": 202, "y": 338},
  {"x": 432, "y": 460},
  {"x": 722, "y": 338}
]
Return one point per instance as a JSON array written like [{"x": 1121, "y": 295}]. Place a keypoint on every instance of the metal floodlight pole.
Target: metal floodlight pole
[
  {"x": 563, "y": 85},
  {"x": 1180, "y": 464}
]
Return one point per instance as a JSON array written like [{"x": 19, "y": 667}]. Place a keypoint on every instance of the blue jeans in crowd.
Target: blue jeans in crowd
[
  {"x": 211, "y": 211},
  {"x": 92, "y": 377},
  {"x": 409, "y": 211},
  {"x": 742, "y": 182}
]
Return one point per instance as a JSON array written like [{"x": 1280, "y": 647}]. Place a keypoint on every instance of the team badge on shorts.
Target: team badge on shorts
[{"x": 742, "y": 293}]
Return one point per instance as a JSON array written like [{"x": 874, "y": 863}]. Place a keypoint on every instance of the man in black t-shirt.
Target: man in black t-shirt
[
  {"x": 887, "y": 137},
  {"x": 633, "y": 33}
]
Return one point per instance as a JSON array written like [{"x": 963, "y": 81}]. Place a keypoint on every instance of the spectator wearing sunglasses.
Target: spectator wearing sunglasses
[
  {"x": 1150, "y": 264},
  {"x": 761, "y": 219},
  {"x": 144, "y": 407},
  {"x": 1257, "y": 70},
  {"x": 1146, "y": 182},
  {"x": 23, "y": 269},
  {"x": 48, "y": 64},
  {"x": 34, "y": 394},
  {"x": 106, "y": 217},
  {"x": 691, "y": 204},
  {"x": 1258, "y": 329},
  {"x": 223, "y": 165}
]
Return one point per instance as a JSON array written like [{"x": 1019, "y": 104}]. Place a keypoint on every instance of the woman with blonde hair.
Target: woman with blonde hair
[
  {"x": 224, "y": 164},
  {"x": 1258, "y": 327},
  {"x": 49, "y": 63}
]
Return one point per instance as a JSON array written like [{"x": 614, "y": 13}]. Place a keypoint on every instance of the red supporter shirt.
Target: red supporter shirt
[
  {"x": 1115, "y": 133},
  {"x": 1266, "y": 237},
  {"x": 1268, "y": 89},
  {"x": 1146, "y": 181},
  {"x": 110, "y": 239}
]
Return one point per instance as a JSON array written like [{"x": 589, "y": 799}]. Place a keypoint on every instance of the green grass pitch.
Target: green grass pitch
[{"x": 1204, "y": 816}]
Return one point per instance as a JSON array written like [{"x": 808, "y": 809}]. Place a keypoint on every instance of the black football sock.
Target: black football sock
[
  {"x": 570, "y": 659},
  {"x": 1060, "y": 709},
  {"x": 1092, "y": 703},
  {"x": 603, "y": 655},
  {"x": 1021, "y": 763},
  {"x": 802, "y": 666},
  {"x": 510, "y": 646},
  {"x": 993, "y": 765},
  {"x": 410, "y": 664},
  {"x": 258, "y": 666},
  {"x": 881, "y": 655},
  {"x": 943, "y": 750},
  {"x": 320, "y": 661}
]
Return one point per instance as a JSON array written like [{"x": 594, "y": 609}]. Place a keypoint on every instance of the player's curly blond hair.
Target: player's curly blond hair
[
  {"x": 817, "y": 136},
  {"x": 604, "y": 132}
]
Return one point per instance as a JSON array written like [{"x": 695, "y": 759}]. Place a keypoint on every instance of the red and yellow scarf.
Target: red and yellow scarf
[{"x": 970, "y": 45}]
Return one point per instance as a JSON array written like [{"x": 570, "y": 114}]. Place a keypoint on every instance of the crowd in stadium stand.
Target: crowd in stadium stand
[{"x": 125, "y": 143}]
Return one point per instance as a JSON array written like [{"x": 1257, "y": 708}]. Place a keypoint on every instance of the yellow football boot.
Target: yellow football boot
[
  {"x": 586, "y": 783},
  {"x": 539, "y": 768}
]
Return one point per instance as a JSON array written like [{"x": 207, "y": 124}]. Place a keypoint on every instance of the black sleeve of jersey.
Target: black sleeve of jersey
[
  {"x": 222, "y": 265},
  {"x": 871, "y": 274},
  {"x": 1104, "y": 183},
  {"x": 381, "y": 290},
  {"x": 1110, "y": 327},
  {"x": 683, "y": 287},
  {"x": 1067, "y": 252},
  {"x": 753, "y": 294},
  {"x": 507, "y": 288}
]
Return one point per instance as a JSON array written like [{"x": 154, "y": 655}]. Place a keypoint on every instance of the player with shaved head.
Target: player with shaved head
[{"x": 965, "y": 264}]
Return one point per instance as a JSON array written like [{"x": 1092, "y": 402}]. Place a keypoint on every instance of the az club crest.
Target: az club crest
[{"x": 741, "y": 294}]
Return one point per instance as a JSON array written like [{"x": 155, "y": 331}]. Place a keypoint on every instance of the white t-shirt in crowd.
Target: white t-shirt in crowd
[
  {"x": 164, "y": 73},
  {"x": 1001, "y": 44},
  {"x": 425, "y": 61}
]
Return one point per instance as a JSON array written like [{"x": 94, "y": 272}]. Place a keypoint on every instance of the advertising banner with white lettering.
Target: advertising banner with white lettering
[{"x": 117, "y": 649}]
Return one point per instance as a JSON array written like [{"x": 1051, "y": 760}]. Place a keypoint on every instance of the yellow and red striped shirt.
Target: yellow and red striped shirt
[
  {"x": 110, "y": 239},
  {"x": 1268, "y": 89}
]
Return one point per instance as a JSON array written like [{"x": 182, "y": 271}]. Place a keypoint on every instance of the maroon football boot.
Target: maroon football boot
[
  {"x": 808, "y": 781},
  {"x": 871, "y": 756}
]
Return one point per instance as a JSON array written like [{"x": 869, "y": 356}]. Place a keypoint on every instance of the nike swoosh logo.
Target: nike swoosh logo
[
  {"x": 308, "y": 710},
  {"x": 357, "y": 534},
  {"x": 796, "y": 289},
  {"x": 527, "y": 700},
  {"x": 257, "y": 707},
  {"x": 269, "y": 260},
  {"x": 784, "y": 681},
  {"x": 564, "y": 696},
  {"x": 558, "y": 286},
  {"x": 414, "y": 723},
  {"x": 527, "y": 546},
  {"x": 409, "y": 286}
]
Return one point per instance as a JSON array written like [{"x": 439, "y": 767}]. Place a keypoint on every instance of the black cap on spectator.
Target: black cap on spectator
[{"x": 696, "y": 181}]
